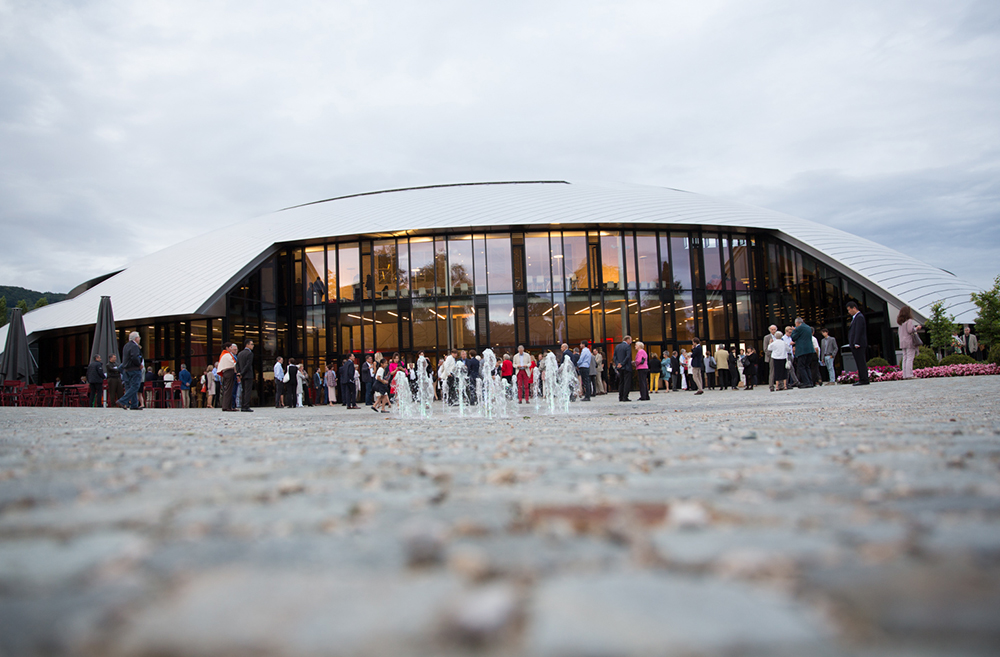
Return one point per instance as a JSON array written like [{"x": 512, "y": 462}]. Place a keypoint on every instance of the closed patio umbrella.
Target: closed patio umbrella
[
  {"x": 105, "y": 337},
  {"x": 17, "y": 363}
]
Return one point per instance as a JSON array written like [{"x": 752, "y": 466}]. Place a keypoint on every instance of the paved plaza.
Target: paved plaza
[{"x": 833, "y": 521}]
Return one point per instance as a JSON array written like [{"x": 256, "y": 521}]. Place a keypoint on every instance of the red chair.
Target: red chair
[
  {"x": 27, "y": 396},
  {"x": 167, "y": 399},
  {"x": 47, "y": 394},
  {"x": 10, "y": 391}
]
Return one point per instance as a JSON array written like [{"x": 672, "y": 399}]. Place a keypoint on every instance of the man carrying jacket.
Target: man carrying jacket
[{"x": 244, "y": 370}]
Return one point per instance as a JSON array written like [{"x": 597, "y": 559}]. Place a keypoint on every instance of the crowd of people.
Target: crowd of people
[{"x": 792, "y": 357}]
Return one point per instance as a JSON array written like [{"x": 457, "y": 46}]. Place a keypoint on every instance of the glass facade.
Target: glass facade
[{"x": 474, "y": 290}]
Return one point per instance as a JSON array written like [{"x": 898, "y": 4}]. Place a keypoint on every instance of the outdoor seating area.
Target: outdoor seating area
[{"x": 17, "y": 393}]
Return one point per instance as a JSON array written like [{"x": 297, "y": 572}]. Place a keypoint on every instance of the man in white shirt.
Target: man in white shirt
[
  {"x": 772, "y": 335},
  {"x": 279, "y": 383}
]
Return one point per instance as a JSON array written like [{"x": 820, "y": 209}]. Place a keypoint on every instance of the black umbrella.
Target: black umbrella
[
  {"x": 105, "y": 337},
  {"x": 17, "y": 363}
]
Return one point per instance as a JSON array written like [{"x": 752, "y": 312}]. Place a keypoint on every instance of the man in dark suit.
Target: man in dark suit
[
  {"x": 472, "y": 368},
  {"x": 623, "y": 366},
  {"x": 857, "y": 337},
  {"x": 347, "y": 389},
  {"x": 244, "y": 370},
  {"x": 95, "y": 378},
  {"x": 368, "y": 379}
]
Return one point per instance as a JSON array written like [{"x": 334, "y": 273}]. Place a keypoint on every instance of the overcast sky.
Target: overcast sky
[{"x": 128, "y": 126}]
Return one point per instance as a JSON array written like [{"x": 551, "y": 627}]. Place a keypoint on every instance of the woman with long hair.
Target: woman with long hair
[{"x": 909, "y": 341}]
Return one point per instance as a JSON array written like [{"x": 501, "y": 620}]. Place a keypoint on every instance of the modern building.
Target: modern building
[{"x": 493, "y": 265}]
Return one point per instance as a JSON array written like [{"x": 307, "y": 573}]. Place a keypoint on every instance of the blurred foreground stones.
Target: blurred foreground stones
[{"x": 834, "y": 521}]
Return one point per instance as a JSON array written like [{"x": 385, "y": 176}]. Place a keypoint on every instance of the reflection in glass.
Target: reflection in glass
[
  {"x": 713, "y": 264},
  {"x": 331, "y": 271},
  {"x": 611, "y": 261},
  {"x": 558, "y": 278},
  {"x": 739, "y": 264},
  {"x": 615, "y": 311},
  {"x": 684, "y": 316},
  {"x": 680, "y": 252},
  {"x": 315, "y": 332},
  {"x": 579, "y": 310},
  {"x": 386, "y": 328},
  {"x": 479, "y": 256},
  {"x": 460, "y": 265},
  {"x": 502, "y": 322},
  {"x": 350, "y": 328},
  {"x": 424, "y": 319},
  {"x": 540, "y": 320},
  {"x": 651, "y": 316},
  {"x": 743, "y": 317},
  {"x": 498, "y": 261},
  {"x": 648, "y": 268},
  {"x": 403, "y": 267},
  {"x": 350, "y": 273},
  {"x": 575, "y": 261},
  {"x": 422, "y": 265},
  {"x": 315, "y": 286},
  {"x": 536, "y": 251},
  {"x": 440, "y": 266},
  {"x": 559, "y": 317},
  {"x": 630, "y": 276},
  {"x": 715, "y": 307},
  {"x": 386, "y": 270},
  {"x": 462, "y": 320}
]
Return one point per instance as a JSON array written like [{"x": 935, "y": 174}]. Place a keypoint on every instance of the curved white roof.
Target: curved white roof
[{"x": 146, "y": 288}]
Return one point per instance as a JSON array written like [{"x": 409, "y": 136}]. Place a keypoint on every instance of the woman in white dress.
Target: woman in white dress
[{"x": 684, "y": 367}]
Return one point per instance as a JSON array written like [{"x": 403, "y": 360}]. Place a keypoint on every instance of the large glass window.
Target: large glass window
[
  {"x": 425, "y": 318},
  {"x": 422, "y": 265},
  {"x": 540, "y": 319},
  {"x": 631, "y": 279},
  {"x": 199, "y": 347},
  {"x": 648, "y": 275},
  {"x": 615, "y": 309},
  {"x": 502, "y": 321},
  {"x": 403, "y": 267},
  {"x": 315, "y": 268},
  {"x": 331, "y": 271},
  {"x": 713, "y": 262},
  {"x": 384, "y": 253},
  {"x": 386, "y": 328},
  {"x": 538, "y": 260},
  {"x": 716, "y": 317},
  {"x": 498, "y": 264},
  {"x": 684, "y": 316},
  {"x": 611, "y": 261},
  {"x": 738, "y": 263},
  {"x": 350, "y": 328},
  {"x": 556, "y": 251},
  {"x": 460, "y": 265},
  {"x": 743, "y": 317},
  {"x": 575, "y": 261},
  {"x": 441, "y": 266},
  {"x": 462, "y": 320},
  {"x": 315, "y": 332},
  {"x": 350, "y": 272},
  {"x": 651, "y": 316},
  {"x": 579, "y": 310},
  {"x": 680, "y": 253},
  {"x": 479, "y": 256},
  {"x": 559, "y": 317}
]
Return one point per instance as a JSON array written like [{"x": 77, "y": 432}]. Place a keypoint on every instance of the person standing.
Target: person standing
[
  {"x": 802, "y": 336},
  {"x": 131, "y": 369},
  {"x": 330, "y": 378},
  {"x": 279, "y": 383},
  {"x": 368, "y": 379},
  {"x": 655, "y": 370},
  {"x": 675, "y": 371},
  {"x": 642, "y": 370},
  {"x": 909, "y": 341},
  {"x": 750, "y": 362},
  {"x": 970, "y": 343},
  {"x": 347, "y": 388},
  {"x": 522, "y": 369},
  {"x": 793, "y": 379},
  {"x": 828, "y": 351},
  {"x": 114, "y": 376},
  {"x": 623, "y": 367},
  {"x": 779, "y": 356},
  {"x": 95, "y": 379},
  {"x": 227, "y": 371},
  {"x": 244, "y": 370},
  {"x": 857, "y": 338},
  {"x": 185, "y": 378},
  {"x": 472, "y": 368},
  {"x": 292, "y": 388},
  {"x": 722, "y": 366},
  {"x": 709, "y": 368},
  {"x": 697, "y": 365},
  {"x": 319, "y": 385},
  {"x": 600, "y": 388},
  {"x": 772, "y": 335},
  {"x": 584, "y": 364}
]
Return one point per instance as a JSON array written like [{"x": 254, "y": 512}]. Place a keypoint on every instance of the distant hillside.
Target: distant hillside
[{"x": 14, "y": 294}]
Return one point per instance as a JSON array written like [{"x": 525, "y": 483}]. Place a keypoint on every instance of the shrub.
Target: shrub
[
  {"x": 957, "y": 359},
  {"x": 926, "y": 352},
  {"x": 994, "y": 356},
  {"x": 878, "y": 362},
  {"x": 921, "y": 361}
]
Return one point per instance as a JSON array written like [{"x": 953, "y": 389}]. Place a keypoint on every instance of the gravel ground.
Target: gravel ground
[{"x": 832, "y": 521}]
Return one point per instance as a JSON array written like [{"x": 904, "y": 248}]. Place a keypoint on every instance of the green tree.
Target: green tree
[
  {"x": 941, "y": 328},
  {"x": 23, "y": 305},
  {"x": 988, "y": 321},
  {"x": 3, "y": 311},
  {"x": 42, "y": 301}
]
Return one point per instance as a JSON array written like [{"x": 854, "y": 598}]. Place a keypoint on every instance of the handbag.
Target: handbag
[{"x": 285, "y": 378}]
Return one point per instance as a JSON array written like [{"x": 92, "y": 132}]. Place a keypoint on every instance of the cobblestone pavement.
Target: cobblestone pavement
[{"x": 832, "y": 521}]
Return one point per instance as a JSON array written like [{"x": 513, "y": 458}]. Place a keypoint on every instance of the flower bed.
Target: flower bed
[{"x": 895, "y": 374}]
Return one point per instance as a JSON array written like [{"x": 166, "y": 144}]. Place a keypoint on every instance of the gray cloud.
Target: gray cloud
[{"x": 127, "y": 127}]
